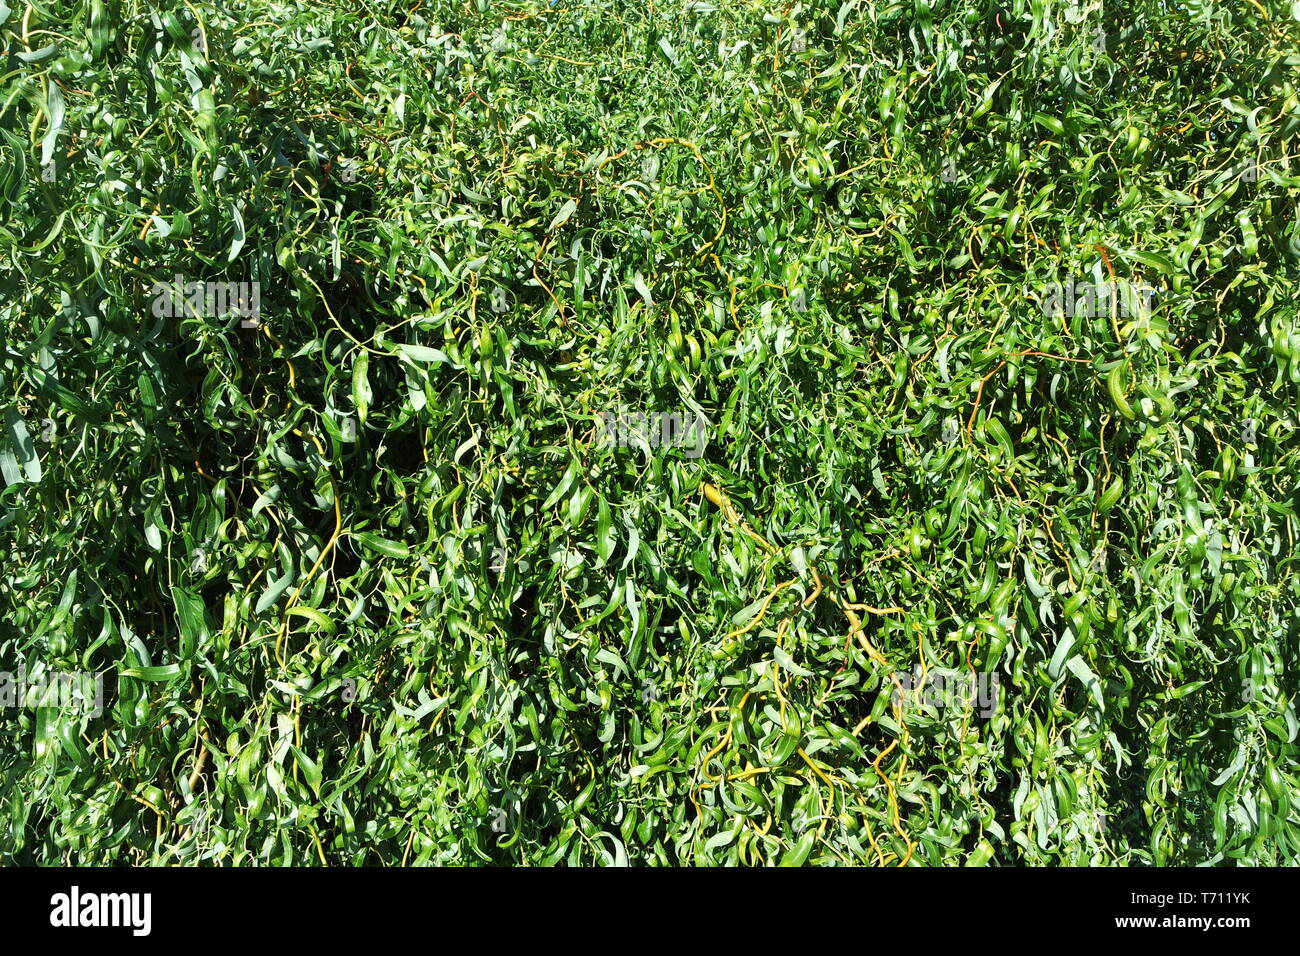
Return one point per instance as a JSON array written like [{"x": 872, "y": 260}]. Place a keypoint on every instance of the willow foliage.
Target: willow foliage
[{"x": 987, "y": 313}]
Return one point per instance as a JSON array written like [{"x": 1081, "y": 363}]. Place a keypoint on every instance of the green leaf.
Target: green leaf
[
  {"x": 566, "y": 211},
  {"x": 192, "y": 619},
  {"x": 162, "y": 673}
]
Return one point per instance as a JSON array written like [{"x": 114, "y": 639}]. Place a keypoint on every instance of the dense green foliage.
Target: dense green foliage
[{"x": 368, "y": 586}]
